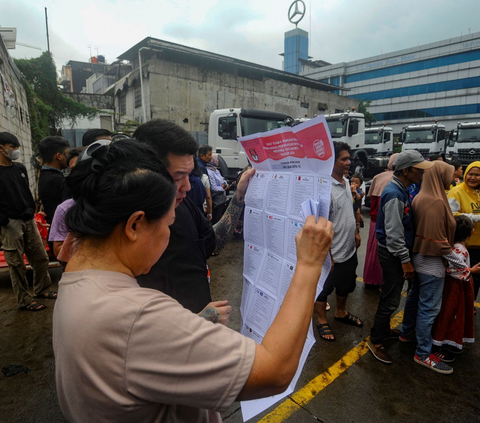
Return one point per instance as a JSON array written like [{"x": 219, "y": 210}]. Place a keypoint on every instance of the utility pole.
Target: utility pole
[{"x": 46, "y": 24}]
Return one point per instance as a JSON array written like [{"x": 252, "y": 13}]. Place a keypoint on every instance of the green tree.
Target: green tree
[
  {"x": 362, "y": 108},
  {"x": 47, "y": 105}
]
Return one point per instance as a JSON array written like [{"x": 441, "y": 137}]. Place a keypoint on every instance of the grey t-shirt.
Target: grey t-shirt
[
  {"x": 130, "y": 354},
  {"x": 343, "y": 219}
]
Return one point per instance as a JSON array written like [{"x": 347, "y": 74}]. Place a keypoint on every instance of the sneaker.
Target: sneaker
[
  {"x": 444, "y": 355},
  {"x": 434, "y": 364},
  {"x": 394, "y": 334},
  {"x": 451, "y": 349},
  {"x": 379, "y": 352}
]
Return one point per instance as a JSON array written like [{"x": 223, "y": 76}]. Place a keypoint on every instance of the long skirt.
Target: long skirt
[
  {"x": 372, "y": 272},
  {"x": 455, "y": 324}
]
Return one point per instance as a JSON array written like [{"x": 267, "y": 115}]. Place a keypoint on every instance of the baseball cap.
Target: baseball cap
[{"x": 411, "y": 158}]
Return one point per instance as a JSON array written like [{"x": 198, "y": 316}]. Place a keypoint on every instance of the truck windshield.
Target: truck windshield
[
  {"x": 337, "y": 128},
  {"x": 373, "y": 138},
  {"x": 418, "y": 136},
  {"x": 252, "y": 125},
  {"x": 468, "y": 134}
]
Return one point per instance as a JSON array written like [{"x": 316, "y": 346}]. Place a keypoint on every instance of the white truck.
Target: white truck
[
  {"x": 379, "y": 139},
  {"x": 349, "y": 127},
  {"x": 427, "y": 139},
  {"x": 466, "y": 139},
  {"x": 227, "y": 125}
]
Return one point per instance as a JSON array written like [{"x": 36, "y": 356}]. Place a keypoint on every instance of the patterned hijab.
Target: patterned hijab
[{"x": 434, "y": 221}]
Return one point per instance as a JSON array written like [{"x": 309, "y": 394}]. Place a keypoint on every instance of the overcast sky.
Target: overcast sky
[{"x": 340, "y": 30}]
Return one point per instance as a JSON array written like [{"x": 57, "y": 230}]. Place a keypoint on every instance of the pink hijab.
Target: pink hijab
[{"x": 380, "y": 181}]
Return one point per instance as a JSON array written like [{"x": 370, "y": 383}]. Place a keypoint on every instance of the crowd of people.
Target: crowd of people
[{"x": 134, "y": 223}]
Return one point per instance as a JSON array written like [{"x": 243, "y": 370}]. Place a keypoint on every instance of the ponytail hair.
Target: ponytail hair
[{"x": 113, "y": 183}]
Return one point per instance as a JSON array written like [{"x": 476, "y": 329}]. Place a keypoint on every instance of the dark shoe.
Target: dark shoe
[
  {"x": 394, "y": 334},
  {"x": 48, "y": 295},
  {"x": 410, "y": 338},
  {"x": 350, "y": 319},
  {"x": 324, "y": 329},
  {"x": 379, "y": 352},
  {"x": 444, "y": 355},
  {"x": 453, "y": 350},
  {"x": 434, "y": 364},
  {"x": 33, "y": 306}
]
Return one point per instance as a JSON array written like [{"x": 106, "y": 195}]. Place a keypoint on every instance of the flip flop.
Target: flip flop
[
  {"x": 324, "y": 329},
  {"x": 350, "y": 319},
  {"x": 49, "y": 295},
  {"x": 34, "y": 307}
]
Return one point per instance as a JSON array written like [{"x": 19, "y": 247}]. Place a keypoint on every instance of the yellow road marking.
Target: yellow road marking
[{"x": 303, "y": 396}]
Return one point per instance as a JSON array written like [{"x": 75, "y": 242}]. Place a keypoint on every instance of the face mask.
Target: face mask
[{"x": 12, "y": 154}]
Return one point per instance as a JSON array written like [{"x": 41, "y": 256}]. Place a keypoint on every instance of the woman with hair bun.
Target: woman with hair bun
[{"x": 125, "y": 353}]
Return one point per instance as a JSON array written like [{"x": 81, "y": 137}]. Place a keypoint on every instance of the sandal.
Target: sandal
[
  {"x": 350, "y": 319},
  {"x": 49, "y": 295},
  {"x": 325, "y": 330},
  {"x": 33, "y": 306}
]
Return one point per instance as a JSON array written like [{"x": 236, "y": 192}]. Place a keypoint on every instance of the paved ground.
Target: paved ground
[{"x": 346, "y": 383}]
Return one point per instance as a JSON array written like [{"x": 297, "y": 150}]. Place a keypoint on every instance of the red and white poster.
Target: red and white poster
[{"x": 293, "y": 166}]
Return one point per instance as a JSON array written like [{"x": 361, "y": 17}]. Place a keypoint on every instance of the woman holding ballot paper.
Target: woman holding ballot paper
[{"x": 125, "y": 353}]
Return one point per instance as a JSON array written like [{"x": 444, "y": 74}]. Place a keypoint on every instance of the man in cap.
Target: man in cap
[{"x": 395, "y": 234}]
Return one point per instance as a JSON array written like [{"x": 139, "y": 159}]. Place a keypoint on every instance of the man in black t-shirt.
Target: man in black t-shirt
[
  {"x": 52, "y": 187},
  {"x": 181, "y": 272},
  {"x": 18, "y": 230}
]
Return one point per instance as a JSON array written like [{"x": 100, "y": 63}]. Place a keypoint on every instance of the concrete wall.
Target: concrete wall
[
  {"x": 14, "y": 113},
  {"x": 179, "y": 92}
]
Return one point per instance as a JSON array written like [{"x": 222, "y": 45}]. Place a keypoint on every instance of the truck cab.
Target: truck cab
[
  {"x": 380, "y": 139},
  {"x": 226, "y": 125},
  {"x": 349, "y": 127},
  {"x": 466, "y": 142},
  {"x": 427, "y": 139}
]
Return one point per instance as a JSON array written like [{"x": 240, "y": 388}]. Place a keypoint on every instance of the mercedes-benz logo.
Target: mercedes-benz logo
[{"x": 298, "y": 12}]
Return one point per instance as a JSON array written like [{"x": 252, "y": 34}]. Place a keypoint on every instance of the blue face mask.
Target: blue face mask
[{"x": 11, "y": 154}]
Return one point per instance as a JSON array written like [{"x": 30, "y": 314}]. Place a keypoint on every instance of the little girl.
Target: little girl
[{"x": 454, "y": 326}]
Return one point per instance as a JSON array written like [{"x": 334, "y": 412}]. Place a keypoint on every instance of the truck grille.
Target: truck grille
[{"x": 467, "y": 155}]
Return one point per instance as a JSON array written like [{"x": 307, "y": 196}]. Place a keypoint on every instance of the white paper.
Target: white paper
[
  {"x": 256, "y": 190},
  {"x": 292, "y": 181},
  {"x": 253, "y": 226},
  {"x": 275, "y": 233}
]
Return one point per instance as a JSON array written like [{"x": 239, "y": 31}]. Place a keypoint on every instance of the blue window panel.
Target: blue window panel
[
  {"x": 324, "y": 80},
  {"x": 434, "y": 87},
  {"x": 466, "y": 109},
  {"x": 336, "y": 81},
  {"x": 415, "y": 66}
]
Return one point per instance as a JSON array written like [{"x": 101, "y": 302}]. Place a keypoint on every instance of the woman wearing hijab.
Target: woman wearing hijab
[
  {"x": 465, "y": 199},
  {"x": 124, "y": 353},
  {"x": 372, "y": 273},
  {"x": 435, "y": 230}
]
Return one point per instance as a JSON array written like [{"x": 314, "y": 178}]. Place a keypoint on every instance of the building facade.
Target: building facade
[
  {"x": 14, "y": 112},
  {"x": 185, "y": 85},
  {"x": 417, "y": 85}
]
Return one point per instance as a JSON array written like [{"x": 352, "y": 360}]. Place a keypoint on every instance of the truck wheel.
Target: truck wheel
[{"x": 358, "y": 167}]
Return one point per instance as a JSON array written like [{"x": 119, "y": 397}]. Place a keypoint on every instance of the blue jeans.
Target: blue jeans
[{"x": 423, "y": 305}]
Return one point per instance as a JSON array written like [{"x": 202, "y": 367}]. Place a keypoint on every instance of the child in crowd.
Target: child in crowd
[
  {"x": 356, "y": 182},
  {"x": 454, "y": 326}
]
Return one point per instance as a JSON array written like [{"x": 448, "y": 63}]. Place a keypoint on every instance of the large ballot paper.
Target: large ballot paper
[{"x": 293, "y": 165}]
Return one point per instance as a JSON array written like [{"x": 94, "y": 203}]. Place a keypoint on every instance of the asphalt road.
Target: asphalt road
[{"x": 343, "y": 389}]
